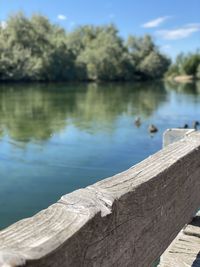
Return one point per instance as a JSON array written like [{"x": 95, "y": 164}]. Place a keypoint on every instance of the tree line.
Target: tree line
[
  {"x": 185, "y": 64},
  {"x": 34, "y": 49}
]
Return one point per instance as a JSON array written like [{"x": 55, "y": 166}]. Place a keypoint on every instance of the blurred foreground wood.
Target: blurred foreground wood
[{"x": 185, "y": 249}]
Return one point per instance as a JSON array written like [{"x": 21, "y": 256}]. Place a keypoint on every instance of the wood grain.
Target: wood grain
[
  {"x": 125, "y": 220},
  {"x": 185, "y": 249}
]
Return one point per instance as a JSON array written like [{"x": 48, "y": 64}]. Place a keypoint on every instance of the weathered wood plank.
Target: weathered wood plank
[
  {"x": 185, "y": 249},
  {"x": 126, "y": 220},
  {"x": 173, "y": 135}
]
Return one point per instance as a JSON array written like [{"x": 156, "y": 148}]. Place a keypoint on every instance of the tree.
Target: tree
[
  {"x": 198, "y": 72},
  {"x": 185, "y": 64},
  {"x": 34, "y": 49},
  {"x": 154, "y": 65},
  {"x": 148, "y": 61},
  {"x": 104, "y": 56},
  {"x": 191, "y": 64}
]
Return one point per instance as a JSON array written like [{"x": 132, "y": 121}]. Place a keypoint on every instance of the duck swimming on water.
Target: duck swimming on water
[
  {"x": 195, "y": 124},
  {"x": 185, "y": 126},
  {"x": 152, "y": 128},
  {"x": 137, "y": 121}
]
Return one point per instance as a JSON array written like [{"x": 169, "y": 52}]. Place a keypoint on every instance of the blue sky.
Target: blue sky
[{"x": 175, "y": 25}]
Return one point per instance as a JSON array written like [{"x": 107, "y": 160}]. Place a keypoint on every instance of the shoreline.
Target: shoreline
[{"x": 182, "y": 79}]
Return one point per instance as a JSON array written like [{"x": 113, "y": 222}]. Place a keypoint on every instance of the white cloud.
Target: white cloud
[
  {"x": 179, "y": 33},
  {"x": 61, "y": 17},
  {"x": 3, "y": 24},
  {"x": 156, "y": 22}
]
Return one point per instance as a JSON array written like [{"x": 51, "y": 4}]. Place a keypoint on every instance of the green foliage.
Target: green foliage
[
  {"x": 198, "y": 72},
  {"x": 104, "y": 55},
  {"x": 33, "y": 49},
  {"x": 154, "y": 65},
  {"x": 191, "y": 64},
  {"x": 186, "y": 65},
  {"x": 148, "y": 61}
]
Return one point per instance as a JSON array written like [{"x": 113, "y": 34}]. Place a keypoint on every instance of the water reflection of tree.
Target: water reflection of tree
[
  {"x": 191, "y": 88},
  {"x": 38, "y": 111},
  {"x": 102, "y": 104}
]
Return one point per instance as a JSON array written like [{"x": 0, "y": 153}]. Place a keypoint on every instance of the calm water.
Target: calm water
[{"x": 57, "y": 138}]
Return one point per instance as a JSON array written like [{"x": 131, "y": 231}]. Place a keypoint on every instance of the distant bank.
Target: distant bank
[{"x": 182, "y": 78}]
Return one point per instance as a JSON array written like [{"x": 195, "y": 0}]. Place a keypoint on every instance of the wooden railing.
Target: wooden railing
[{"x": 126, "y": 220}]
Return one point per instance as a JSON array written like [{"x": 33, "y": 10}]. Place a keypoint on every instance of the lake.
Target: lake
[{"x": 55, "y": 138}]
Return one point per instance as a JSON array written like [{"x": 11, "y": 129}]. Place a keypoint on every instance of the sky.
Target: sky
[{"x": 174, "y": 24}]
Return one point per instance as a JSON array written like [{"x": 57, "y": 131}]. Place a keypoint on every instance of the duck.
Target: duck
[
  {"x": 137, "y": 121},
  {"x": 152, "y": 128},
  {"x": 195, "y": 124}
]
